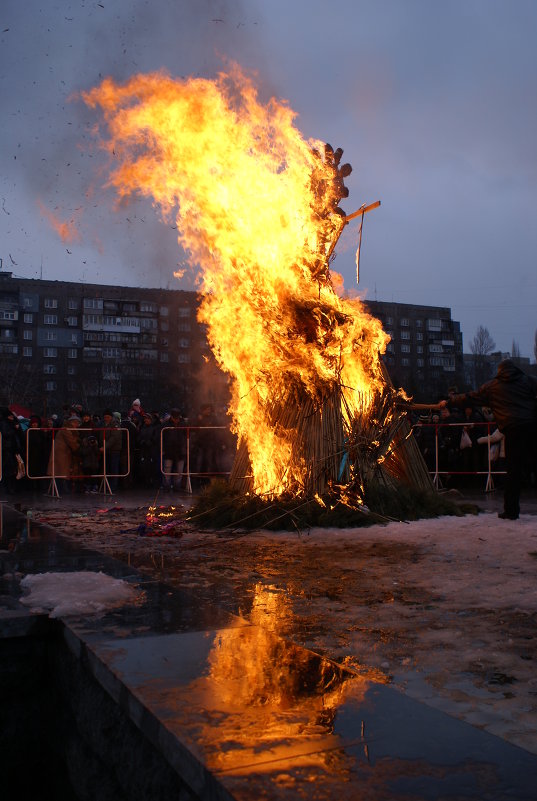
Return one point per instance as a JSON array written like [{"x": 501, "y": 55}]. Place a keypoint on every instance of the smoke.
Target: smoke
[{"x": 49, "y": 54}]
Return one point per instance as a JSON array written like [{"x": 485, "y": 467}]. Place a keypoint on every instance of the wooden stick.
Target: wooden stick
[
  {"x": 418, "y": 407},
  {"x": 362, "y": 210}
]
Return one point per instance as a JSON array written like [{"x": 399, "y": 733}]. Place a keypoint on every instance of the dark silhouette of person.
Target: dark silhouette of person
[{"x": 512, "y": 397}]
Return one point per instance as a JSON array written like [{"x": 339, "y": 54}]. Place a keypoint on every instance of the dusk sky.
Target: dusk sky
[{"x": 434, "y": 103}]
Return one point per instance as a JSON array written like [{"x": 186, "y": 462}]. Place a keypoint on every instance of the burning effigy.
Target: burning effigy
[{"x": 257, "y": 213}]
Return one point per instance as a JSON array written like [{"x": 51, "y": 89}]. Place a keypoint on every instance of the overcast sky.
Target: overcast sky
[{"x": 434, "y": 103}]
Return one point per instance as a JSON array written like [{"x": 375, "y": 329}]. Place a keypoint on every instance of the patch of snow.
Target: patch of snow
[{"x": 77, "y": 593}]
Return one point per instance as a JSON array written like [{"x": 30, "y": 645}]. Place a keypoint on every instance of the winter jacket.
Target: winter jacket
[
  {"x": 63, "y": 461},
  {"x": 511, "y": 395}
]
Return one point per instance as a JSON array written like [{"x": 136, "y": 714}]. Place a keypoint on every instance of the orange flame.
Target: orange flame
[
  {"x": 254, "y": 204},
  {"x": 66, "y": 229}
]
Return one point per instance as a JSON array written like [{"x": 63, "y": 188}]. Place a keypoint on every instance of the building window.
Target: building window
[
  {"x": 405, "y": 348},
  {"x": 434, "y": 325},
  {"x": 145, "y": 306},
  {"x": 419, "y": 323},
  {"x": 93, "y": 303},
  {"x": 72, "y": 321},
  {"x": 164, "y": 357},
  {"x": 50, "y": 353},
  {"x": 419, "y": 349},
  {"x": 389, "y": 347},
  {"x": 184, "y": 326},
  {"x": 183, "y": 358},
  {"x": 49, "y": 369},
  {"x": 404, "y": 321},
  {"x": 420, "y": 362},
  {"x": 27, "y": 303},
  {"x": 52, "y": 336},
  {"x": 71, "y": 369},
  {"x": 74, "y": 339},
  {"x": 72, "y": 304},
  {"x": 72, "y": 353},
  {"x": 184, "y": 312},
  {"x": 433, "y": 348},
  {"x": 50, "y": 386},
  {"x": 164, "y": 311},
  {"x": 164, "y": 325},
  {"x": 405, "y": 334},
  {"x": 29, "y": 318},
  {"x": 129, "y": 307},
  {"x": 27, "y": 334},
  {"x": 389, "y": 320},
  {"x": 50, "y": 319},
  {"x": 50, "y": 303},
  {"x": 419, "y": 336},
  {"x": 405, "y": 362},
  {"x": 184, "y": 343}
]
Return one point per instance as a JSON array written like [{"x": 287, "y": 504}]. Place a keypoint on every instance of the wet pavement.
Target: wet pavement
[{"x": 242, "y": 712}]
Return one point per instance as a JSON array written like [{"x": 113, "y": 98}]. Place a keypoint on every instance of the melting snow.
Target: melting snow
[{"x": 75, "y": 593}]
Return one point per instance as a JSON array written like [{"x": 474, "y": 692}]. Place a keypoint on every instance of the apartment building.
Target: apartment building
[
  {"x": 425, "y": 353},
  {"x": 63, "y": 342}
]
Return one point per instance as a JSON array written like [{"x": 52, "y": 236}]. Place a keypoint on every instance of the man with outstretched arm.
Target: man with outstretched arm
[{"x": 512, "y": 397}]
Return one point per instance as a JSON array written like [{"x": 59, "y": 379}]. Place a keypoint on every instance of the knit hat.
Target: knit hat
[
  {"x": 117, "y": 415},
  {"x": 136, "y": 402}
]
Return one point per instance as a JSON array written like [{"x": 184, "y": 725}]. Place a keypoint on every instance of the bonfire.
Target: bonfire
[{"x": 257, "y": 210}]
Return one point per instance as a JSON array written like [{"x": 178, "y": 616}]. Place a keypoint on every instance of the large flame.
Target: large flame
[{"x": 255, "y": 209}]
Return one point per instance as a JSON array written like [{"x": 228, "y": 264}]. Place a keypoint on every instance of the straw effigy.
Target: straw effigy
[{"x": 334, "y": 449}]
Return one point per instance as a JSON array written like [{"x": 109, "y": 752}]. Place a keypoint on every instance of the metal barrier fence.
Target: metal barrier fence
[
  {"x": 450, "y": 470},
  {"x": 168, "y": 442},
  {"x": 183, "y": 459},
  {"x": 56, "y": 467},
  {"x": 42, "y": 447}
]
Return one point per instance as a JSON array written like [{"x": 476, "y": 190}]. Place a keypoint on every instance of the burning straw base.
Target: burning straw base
[{"x": 222, "y": 506}]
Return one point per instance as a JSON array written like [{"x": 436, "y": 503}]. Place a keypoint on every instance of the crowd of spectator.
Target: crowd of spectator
[
  {"x": 491, "y": 430},
  {"x": 77, "y": 450},
  {"x": 456, "y": 442}
]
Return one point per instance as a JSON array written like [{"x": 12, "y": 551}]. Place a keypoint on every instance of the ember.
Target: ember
[{"x": 256, "y": 207}]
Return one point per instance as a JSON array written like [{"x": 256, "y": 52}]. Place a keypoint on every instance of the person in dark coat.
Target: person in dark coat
[
  {"x": 173, "y": 450},
  {"x": 512, "y": 397},
  {"x": 148, "y": 463},
  {"x": 12, "y": 446},
  {"x": 38, "y": 445}
]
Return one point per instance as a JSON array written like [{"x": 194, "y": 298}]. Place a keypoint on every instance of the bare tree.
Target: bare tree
[
  {"x": 18, "y": 382},
  {"x": 482, "y": 346}
]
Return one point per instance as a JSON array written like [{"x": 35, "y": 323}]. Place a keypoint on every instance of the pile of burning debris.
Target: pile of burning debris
[{"x": 150, "y": 521}]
